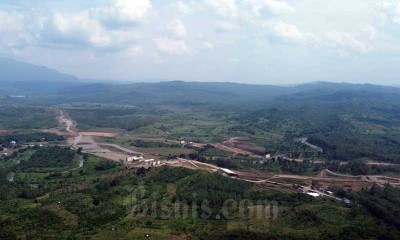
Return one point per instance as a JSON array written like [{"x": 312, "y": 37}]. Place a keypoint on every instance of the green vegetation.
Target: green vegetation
[
  {"x": 23, "y": 117},
  {"x": 44, "y": 158},
  {"x": 24, "y": 137},
  {"x": 108, "y": 203}
]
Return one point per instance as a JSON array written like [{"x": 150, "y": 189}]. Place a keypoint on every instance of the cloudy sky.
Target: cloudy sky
[{"x": 251, "y": 41}]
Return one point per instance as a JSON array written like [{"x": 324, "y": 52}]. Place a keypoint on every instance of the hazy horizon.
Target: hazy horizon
[
  {"x": 245, "y": 41},
  {"x": 133, "y": 81}
]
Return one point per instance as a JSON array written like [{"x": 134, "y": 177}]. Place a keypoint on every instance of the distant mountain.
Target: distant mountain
[
  {"x": 343, "y": 92},
  {"x": 15, "y": 71},
  {"x": 174, "y": 92},
  {"x": 225, "y": 94},
  {"x": 18, "y": 78}
]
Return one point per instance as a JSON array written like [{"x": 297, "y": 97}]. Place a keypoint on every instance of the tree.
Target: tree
[{"x": 3, "y": 176}]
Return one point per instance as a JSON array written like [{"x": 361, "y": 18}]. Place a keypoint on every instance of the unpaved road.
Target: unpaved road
[
  {"x": 304, "y": 141},
  {"x": 68, "y": 123},
  {"x": 235, "y": 150},
  {"x": 100, "y": 134},
  {"x": 122, "y": 149}
]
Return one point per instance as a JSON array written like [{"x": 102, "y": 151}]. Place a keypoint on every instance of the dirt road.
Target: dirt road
[
  {"x": 231, "y": 145},
  {"x": 304, "y": 141},
  {"x": 68, "y": 123}
]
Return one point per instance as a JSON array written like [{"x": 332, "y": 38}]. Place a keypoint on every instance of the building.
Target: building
[
  {"x": 141, "y": 161},
  {"x": 148, "y": 160},
  {"x": 268, "y": 156},
  {"x": 155, "y": 163},
  {"x": 313, "y": 194},
  {"x": 133, "y": 159}
]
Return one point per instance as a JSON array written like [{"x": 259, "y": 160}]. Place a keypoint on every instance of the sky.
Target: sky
[{"x": 247, "y": 41}]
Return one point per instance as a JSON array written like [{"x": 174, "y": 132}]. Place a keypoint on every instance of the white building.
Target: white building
[
  {"x": 313, "y": 194},
  {"x": 133, "y": 158}
]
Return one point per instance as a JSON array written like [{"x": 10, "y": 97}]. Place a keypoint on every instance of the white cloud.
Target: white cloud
[
  {"x": 256, "y": 7},
  {"x": 134, "y": 51},
  {"x": 171, "y": 46},
  {"x": 182, "y": 7},
  {"x": 15, "y": 33},
  {"x": 260, "y": 30},
  {"x": 340, "y": 40},
  {"x": 223, "y": 26},
  {"x": 225, "y": 8},
  {"x": 371, "y": 32},
  {"x": 133, "y": 10},
  {"x": 76, "y": 29},
  {"x": 288, "y": 31},
  {"x": 125, "y": 11},
  {"x": 110, "y": 27},
  {"x": 246, "y": 9},
  {"x": 177, "y": 27},
  {"x": 388, "y": 12},
  {"x": 343, "y": 42},
  {"x": 10, "y": 21},
  {"x": 207, "y": 45}
]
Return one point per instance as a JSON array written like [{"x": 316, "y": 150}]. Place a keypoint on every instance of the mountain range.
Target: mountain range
[{"x": 18, "y": 78}]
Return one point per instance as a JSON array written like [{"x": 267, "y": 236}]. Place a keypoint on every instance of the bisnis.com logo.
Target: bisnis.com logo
[{"x": 144, "y": 204}]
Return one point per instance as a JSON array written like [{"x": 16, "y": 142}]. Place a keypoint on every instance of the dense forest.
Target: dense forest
[
  {"x": 24, "y": 117},
  {"x": 94, "y": 202}
]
